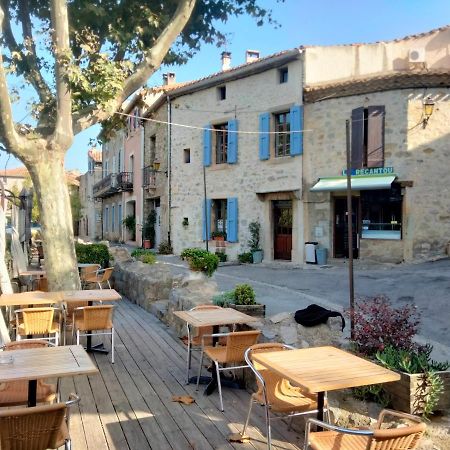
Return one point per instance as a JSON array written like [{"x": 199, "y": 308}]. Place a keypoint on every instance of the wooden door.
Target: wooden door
[
  {"x": 341, "y": 227},
  {"x": 282, "y": 224}
]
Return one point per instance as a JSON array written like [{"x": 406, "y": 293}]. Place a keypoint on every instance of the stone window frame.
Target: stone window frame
[{"x": 283, "y": 75}]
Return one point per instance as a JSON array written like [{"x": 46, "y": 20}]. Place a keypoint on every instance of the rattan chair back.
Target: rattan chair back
[
  {"x": 89, "y": 273},
  {"x": 34, "y": 428},
  {"x": 204, "y": 330},
  {"x": 404, "y": 438},
  {"x": 98, "y": 317},
  {"x": 37, "y": 320},
  {"x": 237, "y": 344},
  {"x": 105, "y": 275}
]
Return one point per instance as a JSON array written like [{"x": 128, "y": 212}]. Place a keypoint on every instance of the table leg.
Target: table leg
[
  {"x": 320, "y": 406},
  {"x": 32, "y": 392}
]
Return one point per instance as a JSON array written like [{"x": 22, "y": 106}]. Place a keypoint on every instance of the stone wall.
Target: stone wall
[
  {"x": 419, "y": 156},
  {"x": 250, "y": 178}
]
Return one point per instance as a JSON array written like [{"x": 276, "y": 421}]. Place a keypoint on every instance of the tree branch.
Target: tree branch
[
  {"x": 7, "y": 131},
  {"x": 28, "y": 63},
  {"x": 154, "y": 56},
  {"x": 63, "y": 135}
]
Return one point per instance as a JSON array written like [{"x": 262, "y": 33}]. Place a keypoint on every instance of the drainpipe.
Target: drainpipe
[
  {"x": 169, "y": 168},
  {"x": 142, "y": 179}
]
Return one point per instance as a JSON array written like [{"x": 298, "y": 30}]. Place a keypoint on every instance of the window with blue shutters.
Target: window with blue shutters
[
  {"x": 296, "y": 119},
  {"x": 232, "y": 141},
  {"x": 221, "y": 219},
  {"x": 207, "y": 144},
  {"x": 264, "y": 136}
]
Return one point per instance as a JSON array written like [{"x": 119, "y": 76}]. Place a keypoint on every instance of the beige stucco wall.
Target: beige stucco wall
[
  {"x": 341, "y": 62},
  {"x": 417, "y": 154},
  {"x": 245, "y": 100}
]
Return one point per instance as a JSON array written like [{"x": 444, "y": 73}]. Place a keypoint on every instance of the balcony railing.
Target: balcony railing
[
  {"x": 149, "y": 177},
  {"x": 113, "y": 183}
]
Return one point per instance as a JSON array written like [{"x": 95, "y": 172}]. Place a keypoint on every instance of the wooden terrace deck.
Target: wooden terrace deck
[{"x": 129, "y": 404}]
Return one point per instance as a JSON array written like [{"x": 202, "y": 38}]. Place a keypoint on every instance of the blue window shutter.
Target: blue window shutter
[
  {"x": 232, "y": 219},
  {"x": 207, "y": 141},
  {"x": 264, "y": 137},
  {"x": 206, "y": 224},
  {"x": 296, "y": 125},
  {"x": 232, "y": 142}
]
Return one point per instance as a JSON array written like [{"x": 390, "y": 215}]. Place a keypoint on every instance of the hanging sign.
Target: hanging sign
[{"x": 370, "y": 171}]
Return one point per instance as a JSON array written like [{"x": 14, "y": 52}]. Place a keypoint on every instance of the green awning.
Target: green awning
[{"x": 359, "y": 183}]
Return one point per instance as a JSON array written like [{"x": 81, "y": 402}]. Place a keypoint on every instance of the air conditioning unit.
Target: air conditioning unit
[{"x": 417, "y": 55}]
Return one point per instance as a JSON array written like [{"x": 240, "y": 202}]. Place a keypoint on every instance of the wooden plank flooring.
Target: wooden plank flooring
[{"x": 129, "y": 404}]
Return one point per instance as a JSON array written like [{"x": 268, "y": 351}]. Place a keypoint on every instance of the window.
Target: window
[
  {"x": 282, "y": 134},
  {"x": 119, "y": 218},
  {"x": 283, "y": 75},
  {"x": 113, "y": 217},
  {"x": 222, "y": 92},
  {"x": 187, "y": 155},
  {"x": 221, "y": 141},
  {"x": 368, "y": 137},
  {"x": 152, "y": 152},
  {"x": 382, "y": 213},
  {"x": 219, "y": 216},
  {"x": 106, "y": 216}
]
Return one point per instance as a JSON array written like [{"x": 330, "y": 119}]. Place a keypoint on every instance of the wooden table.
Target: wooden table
[
  {"x": 33, "y": 273},
  {"x": 215, "y": 318},
  {"x": 30, "y": 298},
  {"x": 322, "y": 369},
  {"x": 36, "y": 363}
]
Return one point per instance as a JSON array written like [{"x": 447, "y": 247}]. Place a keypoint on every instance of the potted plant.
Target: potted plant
[
  {"x": 218, "y": 236},
  {"x": 254, "y": 243},
  {"x": 200, "y": 260},
  {"x": 130, "y": 225},
  {"x": 148, "y": 231},
  {"x": 242, "y": 298},
  {"x": 386, "y": 334}
]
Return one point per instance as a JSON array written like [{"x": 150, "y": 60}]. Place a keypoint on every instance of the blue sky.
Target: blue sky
[{"x": 303, "y": 22}]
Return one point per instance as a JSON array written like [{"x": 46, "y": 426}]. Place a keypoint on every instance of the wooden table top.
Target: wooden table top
[
  {"x": 214, "y": 317},
  {"x": 44, "y": 298},
  {"x": 47, "y": 362},
  {"x": 34, "y": 273},
  {"x": 321, "y": 369}
]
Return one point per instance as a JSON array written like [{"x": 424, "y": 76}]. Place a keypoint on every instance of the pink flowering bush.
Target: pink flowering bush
[{"x": 378, "y": 324}]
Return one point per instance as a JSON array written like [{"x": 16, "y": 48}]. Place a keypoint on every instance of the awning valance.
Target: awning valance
[{"x": 359, "y": 183}]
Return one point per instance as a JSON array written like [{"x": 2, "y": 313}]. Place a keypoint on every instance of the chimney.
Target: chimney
[
  {"x": 168, "y": 78},
  {"x": 251, "y": 55},
  {"x": 226, "y": 60}
]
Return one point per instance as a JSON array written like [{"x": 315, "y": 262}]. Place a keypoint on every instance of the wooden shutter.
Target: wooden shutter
[
  {"x": 264, "y": 140},
  {"x": 357, "y": 154},
  {"x": 232, "y": 219},
  {"x": 206, "y": 219},
  {"x": 232, "y": 142},
  {"x": 375, "y": 136},
  {"x": 207, "y": 143},
  {"x": 296, "y": 124}
]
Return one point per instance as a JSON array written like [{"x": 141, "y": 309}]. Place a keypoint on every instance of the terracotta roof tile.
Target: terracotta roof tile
[{"x": 72, "y": 176}]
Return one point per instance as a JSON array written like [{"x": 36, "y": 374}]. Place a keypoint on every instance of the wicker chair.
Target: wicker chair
[
  {"x": 69, "y": 309},
  {"x": 38, "y": 427},
  {"x": 232, "y": 353},
  {"x": 38, "y": 321},
  {"x": 337, "y": 438},
  {"x": 195, "y": 342},
  {"x": 88, "y": 319},
  {"x": 89, "y": 273},
  {"x": 15, "y": 393},
  {"x": 275, "y": 393},
  {"x": 100, "y": 276}
]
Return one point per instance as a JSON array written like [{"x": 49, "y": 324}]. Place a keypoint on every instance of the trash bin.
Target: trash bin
[
  {"x": 310, "y": 252},
  {"x": 321, "y": 256}
]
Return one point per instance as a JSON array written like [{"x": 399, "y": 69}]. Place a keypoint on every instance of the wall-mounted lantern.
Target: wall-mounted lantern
[{"x": 428, "y": 109}]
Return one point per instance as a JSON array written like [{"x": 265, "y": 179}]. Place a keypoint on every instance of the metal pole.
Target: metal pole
[
  {"x": 350, "y": 229},
  {"x": 205, "y": 209}
]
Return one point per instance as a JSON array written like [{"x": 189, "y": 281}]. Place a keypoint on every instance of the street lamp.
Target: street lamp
[{"x": 428, "y": 108}]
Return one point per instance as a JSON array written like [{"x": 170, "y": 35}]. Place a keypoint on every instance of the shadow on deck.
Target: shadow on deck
[{"x": 129, "y": 404}]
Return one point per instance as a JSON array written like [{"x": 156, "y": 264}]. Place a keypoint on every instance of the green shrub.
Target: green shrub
[
  {"x": 93, "y": 253},
  {"x": 244, "y": 294},
  {"x": 246, "y": 257},
  {"x": 223, "y": 257},
  {"x": 200, "y": 260},
  {"x": 224, "y": 299},
  {"x": 145, "y": 256},
  {"x": 165, "y": 248}
]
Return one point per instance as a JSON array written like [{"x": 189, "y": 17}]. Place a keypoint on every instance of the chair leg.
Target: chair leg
[
  {"x": 248, "y": 417},
  {"x": 109, "y": 285},
  {"x": 68, "y": 444},
  {"x": 188, "y": 360},
  {"x": 199, "y": 369},
  {"x": 78, "y": 337},
  {"x": 219, "y": 385},
  {"x": 56, "y": 339},
  {"x": 112, "y": 345},
  {"x": 269, "y": 430}
]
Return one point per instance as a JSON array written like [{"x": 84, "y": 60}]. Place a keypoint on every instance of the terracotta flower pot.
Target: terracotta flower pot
[{"x": 147, "y": 244}]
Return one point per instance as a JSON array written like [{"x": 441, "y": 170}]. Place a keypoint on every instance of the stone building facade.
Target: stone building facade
[
  {"x": 91, "y": 218},
  {"x": 228, "y": 151}
]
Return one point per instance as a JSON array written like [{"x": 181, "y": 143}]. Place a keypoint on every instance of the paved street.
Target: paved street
[{"x": 282, "y": 288}]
